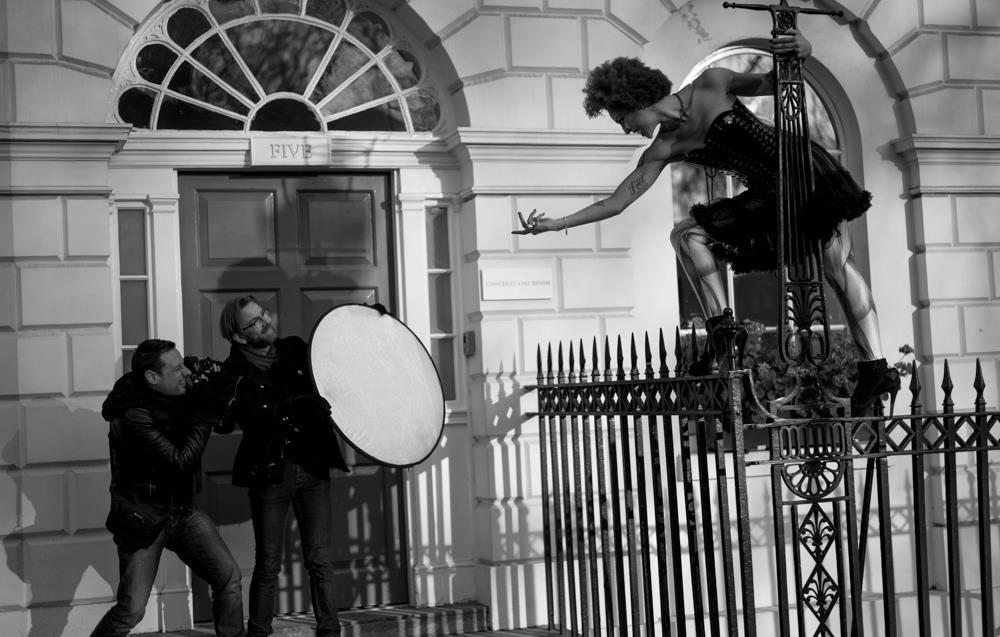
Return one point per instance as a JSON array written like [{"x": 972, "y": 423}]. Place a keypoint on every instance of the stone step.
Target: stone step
[{"x": 395, "y": 621}]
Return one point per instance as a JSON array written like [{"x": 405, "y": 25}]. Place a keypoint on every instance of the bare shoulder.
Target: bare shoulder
[
  {"x": 713, "y": 79},
  {"x": 661, "y": 149}
]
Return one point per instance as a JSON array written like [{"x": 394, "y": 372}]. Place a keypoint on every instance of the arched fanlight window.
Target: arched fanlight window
[
  {"x": 752, "y": 295},
  {"x": 270, "y": 65}
]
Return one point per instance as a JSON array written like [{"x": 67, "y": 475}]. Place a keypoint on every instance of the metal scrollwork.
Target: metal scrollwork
[{"x": 813, "y": 479}]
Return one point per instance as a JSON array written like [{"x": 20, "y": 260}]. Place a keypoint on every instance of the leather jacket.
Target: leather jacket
[
  {"x": 281, "y": 416},
  {"x": 156, "y": 443}
]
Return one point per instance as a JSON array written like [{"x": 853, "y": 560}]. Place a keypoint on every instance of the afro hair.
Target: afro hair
[{"x": 625, "y": 84}]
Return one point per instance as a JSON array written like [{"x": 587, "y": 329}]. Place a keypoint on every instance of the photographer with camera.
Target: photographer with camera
[
  {"x": 284, "y": 458},
  {"x": 160, "y": 421}
]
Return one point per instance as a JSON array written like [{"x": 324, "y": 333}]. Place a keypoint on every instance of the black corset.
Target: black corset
[{"x": 739, "y": 144}]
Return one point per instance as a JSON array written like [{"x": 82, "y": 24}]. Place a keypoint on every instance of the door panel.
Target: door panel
[{"x": 301, "y": 245}]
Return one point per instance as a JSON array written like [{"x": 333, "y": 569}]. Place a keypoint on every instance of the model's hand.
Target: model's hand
[
  {"x": 536, "y": 223},
  {"x": 791, "y": 42}
]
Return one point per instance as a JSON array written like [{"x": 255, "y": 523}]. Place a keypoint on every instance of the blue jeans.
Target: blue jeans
[
  {"x": 309, "y": 498},
  {"x": 192, "y": 535}
]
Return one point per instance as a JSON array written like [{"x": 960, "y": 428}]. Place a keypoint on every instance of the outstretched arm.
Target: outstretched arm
[{"x": 650, "y": 165}]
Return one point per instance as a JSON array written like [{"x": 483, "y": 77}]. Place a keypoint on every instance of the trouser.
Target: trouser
[
  {"x": 309, "y": 497},
  {"x": 192, "y": 535}
]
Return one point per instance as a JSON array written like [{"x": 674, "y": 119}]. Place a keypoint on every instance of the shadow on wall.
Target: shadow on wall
[{"x": 56, "y": 548}]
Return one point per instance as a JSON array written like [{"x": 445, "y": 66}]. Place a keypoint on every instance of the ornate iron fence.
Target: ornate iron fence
[{"x": 650, "y": 529}]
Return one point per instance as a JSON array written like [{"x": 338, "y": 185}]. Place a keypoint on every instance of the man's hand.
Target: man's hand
[
  {"x": 791, "y": 42},
  {"x": 536, "y": 223}
]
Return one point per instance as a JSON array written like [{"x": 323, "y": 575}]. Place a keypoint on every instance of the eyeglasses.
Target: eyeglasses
[{"x": 258, "y": 321}]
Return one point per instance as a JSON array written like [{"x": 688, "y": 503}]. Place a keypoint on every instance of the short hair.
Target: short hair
[
  {"x": 625, "y": 84},
  {"x": 146, "y": 356},
  {"x": 229, "y": 319}
]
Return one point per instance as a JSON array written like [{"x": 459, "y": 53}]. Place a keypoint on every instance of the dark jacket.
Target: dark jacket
[
  {"x": 156, "y": 443},
  {"x": 281, "y": 415}
]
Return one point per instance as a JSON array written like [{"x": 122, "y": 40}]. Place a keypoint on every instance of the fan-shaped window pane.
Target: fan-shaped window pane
[
  {"x": 154, "y": 61},
  {"x": 135, "y": 106},
  {"x": 175, "y": 113},
  {"x": 371, "y": 86},
  {"x": 282, "y": 54},
  {"x": 215, "y": 56},
  {"x": 279, "y": 6},
  {"x": 185, "y": 25},
  {"x": 332, "y": 11},
  {"x": 381, "y": 117},
  {"x": 371, "y": 30},
  {"x": 424, "y": 111},
  {"x": 264, "y": 57},
  {"x": 346, "y": 61},
  {"x": 193, "y": 83},
  {"x": 227, "y": 10},
  {"x": 403, "y": 67},
  {"x": 286, "y": 114}
]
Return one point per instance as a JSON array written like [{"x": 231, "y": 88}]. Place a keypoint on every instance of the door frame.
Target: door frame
[{"x": 425, "y": 172}]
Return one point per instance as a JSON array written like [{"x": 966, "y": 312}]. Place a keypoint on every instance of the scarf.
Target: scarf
[{"x": 261, "y": 361}]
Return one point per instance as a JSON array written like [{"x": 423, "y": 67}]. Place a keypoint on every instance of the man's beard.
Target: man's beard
[{"x": 263, "y": 340}]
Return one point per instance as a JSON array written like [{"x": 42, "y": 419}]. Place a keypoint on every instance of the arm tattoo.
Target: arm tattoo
[{"x": 637, "y": 186}]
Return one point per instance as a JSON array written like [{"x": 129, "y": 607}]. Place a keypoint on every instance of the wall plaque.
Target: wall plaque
[
  {"x": 289, "y": 150},
  {"x": 507, "y": 284}
]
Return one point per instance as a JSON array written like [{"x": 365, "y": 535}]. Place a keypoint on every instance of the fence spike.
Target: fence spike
[
  {"x": 560, "y": 374},
  {"x": 694, "y": 346},
  {"x": 649, "y": 355},
  {"x": 583, "y": 363},
  {"x": 595, "y": 374},
  {"x": 607, "y": 358},
  {"x": 538, "y": 362},
  {"x": 634, "y": 356},
  {"x": 621, "y": 359},
  {"x": 948, "y": 404},
  {"x": 548, "y": 367},
  {"x": 662, "y": 346},
  {"x": 915, "y": 389},
  {"x": 980, "y": 386},
  {"x": 572, "y": 363},
  {"x": 678, "y": 352}
]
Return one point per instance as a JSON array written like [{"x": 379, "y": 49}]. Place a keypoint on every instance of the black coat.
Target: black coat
[
  {"x": 281, "y": 415},
  {"x": 156, "y": 444}
]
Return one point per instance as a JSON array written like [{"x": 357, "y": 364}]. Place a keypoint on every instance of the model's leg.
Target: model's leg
[
  {"x": 313, "y": 510},
  {"x": 198, "y": 543},
  {"x": 874, "y": 375},
  {"x": 691, "y": 244},
  {"x": 268, "y": 511},
  {"x": 136, "y": 571},
  {"x": 854, "y": 294}
]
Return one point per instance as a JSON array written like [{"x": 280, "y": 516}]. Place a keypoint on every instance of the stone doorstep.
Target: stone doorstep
[{"x": 395, "y": 621}]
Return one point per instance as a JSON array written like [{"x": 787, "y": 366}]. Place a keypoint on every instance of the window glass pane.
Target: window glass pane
[
  {"x": 154, "y": 61},
  {"x": 443, "y": 353},
  {"x": 132, "y": 242},
  {"x": 333, "y": 11},
  {"x": 424, "y": 111},
  {"x": 279, "y": 6},
  {"x": 371, "y": 30},
  {"x": 186, "y": 25},
  {"x": 440, "y": 288},
  {"x": 193, "y": 83},
  {"x": 403, "y": 67},
  {"x": 381, "y": 117},
  {"x": 286, "y": 114},
  {"x": 225, "y": 10},
  {"x": 282, "y": 54},
  {"x": 135, "y": 312},
  {"x": 215, "y": 56},
  {"x": 181, "y": 115},
  {"x": 135, "y": 106},
  {"x": 371, "y": 86},
  {"x": 346, "y": 60},
  {"x": 438, "y": 253}
]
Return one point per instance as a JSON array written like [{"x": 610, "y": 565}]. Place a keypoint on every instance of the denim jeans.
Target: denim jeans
[
  {"x": 192, "y": 535},
  {"x": 309, "y": 498}
]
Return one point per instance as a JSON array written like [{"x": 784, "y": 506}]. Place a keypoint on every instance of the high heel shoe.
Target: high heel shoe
[{"x": 874, "y": 379}]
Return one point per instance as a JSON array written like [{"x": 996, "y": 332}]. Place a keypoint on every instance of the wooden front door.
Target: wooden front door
[{"x": 301, "y": 244}]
